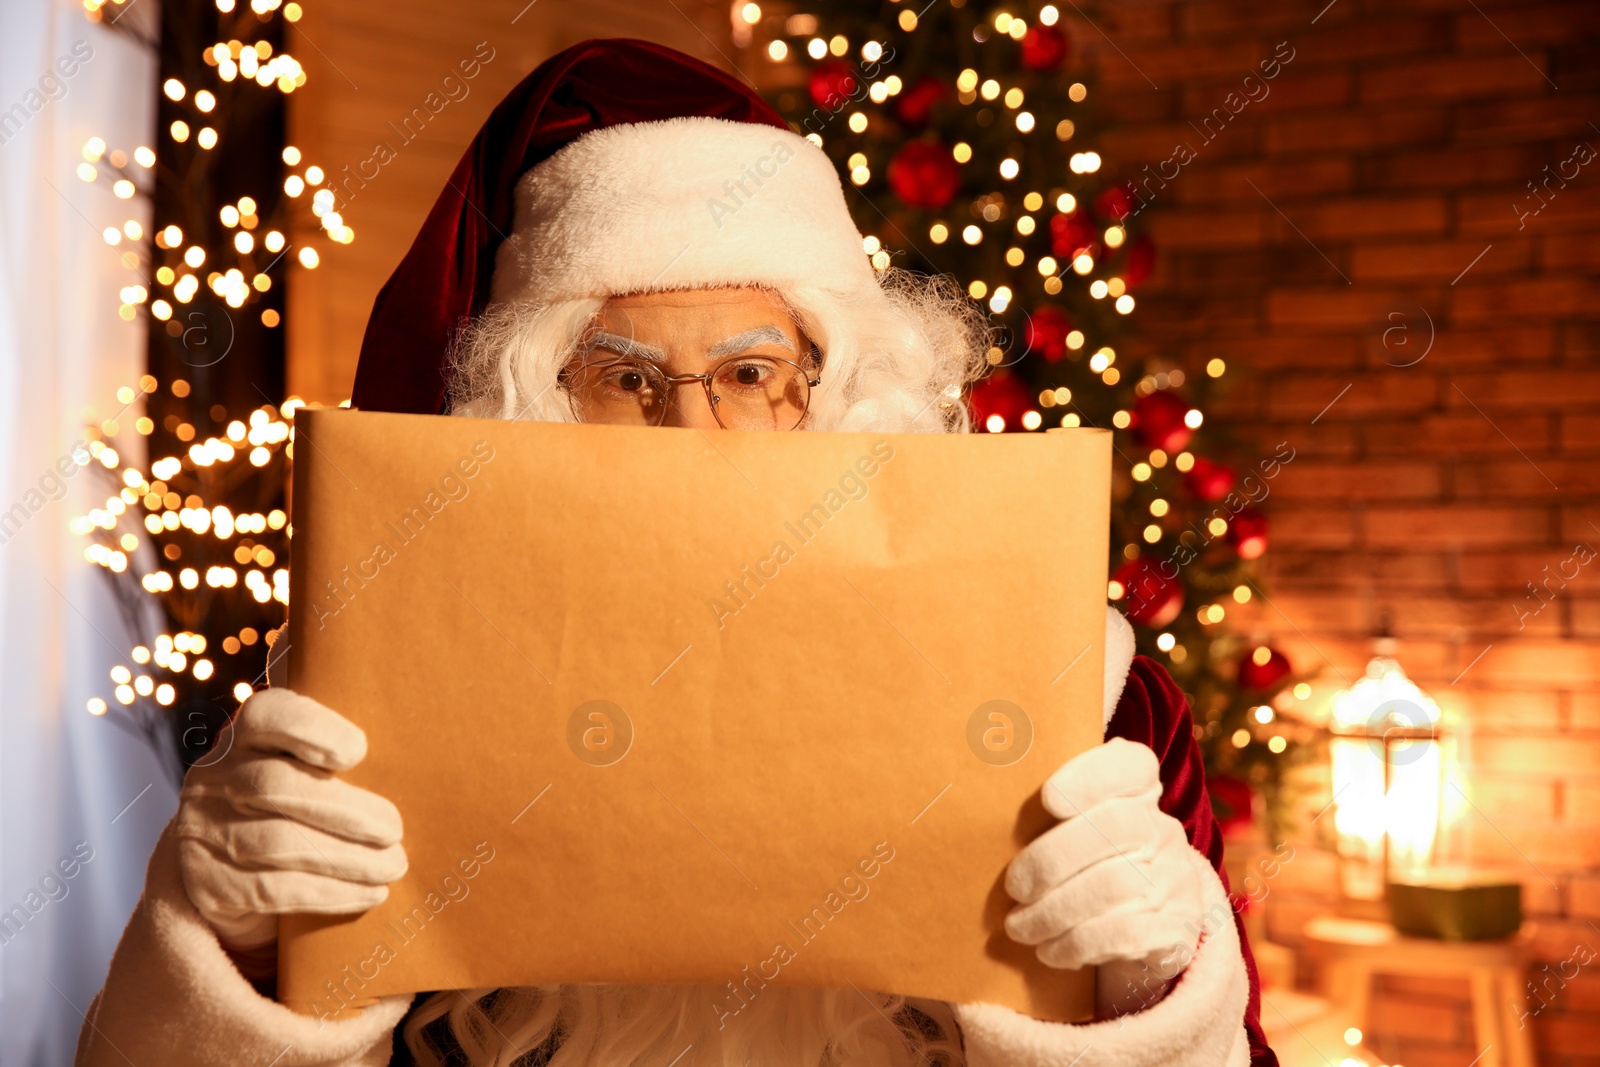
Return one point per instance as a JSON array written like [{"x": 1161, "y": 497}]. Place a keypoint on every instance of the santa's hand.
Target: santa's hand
[
  {"x": 264, "y": 827},
  {"x": 1113, "y": 880}
]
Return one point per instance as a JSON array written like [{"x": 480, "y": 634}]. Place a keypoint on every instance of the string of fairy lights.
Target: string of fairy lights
[
  {"x": 180, "y": 531},
  {"x": 157, "y": 521},
  {"x": 989, "y": 209}
]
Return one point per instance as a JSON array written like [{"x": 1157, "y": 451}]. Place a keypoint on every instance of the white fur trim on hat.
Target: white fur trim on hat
[{"x": 680, "y": 203}]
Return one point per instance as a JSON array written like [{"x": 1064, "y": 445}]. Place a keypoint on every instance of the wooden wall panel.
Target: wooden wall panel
[{"x": 368, "y": 66}]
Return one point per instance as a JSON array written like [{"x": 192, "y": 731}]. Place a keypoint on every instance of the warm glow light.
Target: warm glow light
[{"x": 1408, "y": 810}]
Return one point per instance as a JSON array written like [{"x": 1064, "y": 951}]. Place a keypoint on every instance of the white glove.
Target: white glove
[
  {"x": 264, "y": 827},
  {"x": 1115, "y": 880}
]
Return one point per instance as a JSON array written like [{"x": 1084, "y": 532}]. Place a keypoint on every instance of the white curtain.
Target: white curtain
[{"x": 78, "y": 793}]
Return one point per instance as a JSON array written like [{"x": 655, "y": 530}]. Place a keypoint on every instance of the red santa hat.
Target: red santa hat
[{"x": 617, "y": 166}]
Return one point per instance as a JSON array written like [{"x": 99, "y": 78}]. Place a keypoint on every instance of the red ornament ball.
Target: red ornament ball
[
  {"x": 1232, "y": 801},
  {"x": 1209, "y": 480},
  {"x": 832, "y": 83},
  {"x": 1001, "y": 393},
  {"x": 1138, "y": 261},
  {"x": 1114, "y": 203},
  {"x": 1263, "y": 668},
  {"x": 924, "y": 175},
  {"x": 1149, "y": 597},
  {"x": 1046, "y": 332},
  {"x": 1044, "y": 47},
  {"x": 1158, "y": 421},
  {"x": 1248, "y": 533},
  {"x": 1070, "y": 235},
  {"x": 913, "y": 105}
]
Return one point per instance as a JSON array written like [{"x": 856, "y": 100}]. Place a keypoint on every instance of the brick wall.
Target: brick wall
[{"x": 1365, "y": 201}]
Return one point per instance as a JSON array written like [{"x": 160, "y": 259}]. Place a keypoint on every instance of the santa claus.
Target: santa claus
[{"x": 634, "y": 236}]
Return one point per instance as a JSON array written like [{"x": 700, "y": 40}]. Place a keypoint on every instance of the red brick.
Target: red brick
[
  {"x": 1140, "y": 22},
  {"x": 1491, "y": 390},
  {"x": 1583, "y": 613},
  {"x": 1338, "y": 306},
  {"x": 1541, "y": 297},
  {"x": 1460, "y": 525},
  {"x": 1507, "y": 573},
  {"x": 1583, "y": 804},
  {"x": 1311, "y": 480},
  {"x": 1436, "y": 261},
  {"x": 1344, "y": 219},
  {"x": 1233, "y": 57},
  {"x": 1208, "y": 229},
  {"x": 1583, "y": 897},
  {"x": 1454, "y": 78},
  {"x": 1373, "y": 37},
  {"x": 1322, "y": 527},
  {"x": 1579, "y": 524},
  {"x": 1485, "y": 343},
  {"x": 1524, "y": 709},
  {"x": 1583, "y": 710},
  {"x": 1202, "y": 17},
  {"x": 1537, "y": 119},
  {"x": 1548, "y": 849},
  {"x": 1278, "y": 179},
  {"x": 1562, "y": 251},
  {"x": 1354, "y": 130},
  {"x": 1453, "y": 167},
  {"x": 1573, "y": 664},
  {"x": 1519, "y": 478},
  {"x": 1324, "y": 396},
  {"x": 1497, "y": 796},
  {"x": 1533, "y": 25},
  {"x": 1562, "y": 1033},
  {"x": 1452, "y": 435},
  {"x": 1518, "y": 211},
  {"x": 1458, "y": 617},
  {"x": 1580, "y": 431},
  {"x": 1278, "y": 351},
  {"x": 1294, "y": 566},
  {"x": 1291, "y": 89}
]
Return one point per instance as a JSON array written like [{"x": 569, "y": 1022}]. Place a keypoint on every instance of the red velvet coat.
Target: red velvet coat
[{"x": 1153, "y": 712}]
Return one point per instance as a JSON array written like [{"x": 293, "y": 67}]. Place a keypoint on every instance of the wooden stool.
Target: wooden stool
[{"x": 1353, "y": 950}]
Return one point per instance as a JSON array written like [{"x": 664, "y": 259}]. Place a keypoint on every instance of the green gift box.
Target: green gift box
[{"x": 1456, "y": 908}]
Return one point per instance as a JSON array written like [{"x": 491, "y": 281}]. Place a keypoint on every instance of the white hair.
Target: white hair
[
  {"x": 896, "y": 364},
  {"x": 893, "y": 364},
  {"x": 679, "y": 1026}
]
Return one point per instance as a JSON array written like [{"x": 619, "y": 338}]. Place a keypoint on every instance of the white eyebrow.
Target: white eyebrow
[
  {"x": 626, "y": 347},
  {"x": 768, "y": 335}
]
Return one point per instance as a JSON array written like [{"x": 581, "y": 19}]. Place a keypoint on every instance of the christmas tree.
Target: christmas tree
[
  {"x": 967, "y": 137},
  {"x": 196, "y": 540}
]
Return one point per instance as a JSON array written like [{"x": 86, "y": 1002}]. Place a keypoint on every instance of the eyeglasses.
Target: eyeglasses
[{"x": 745, "y": 392}]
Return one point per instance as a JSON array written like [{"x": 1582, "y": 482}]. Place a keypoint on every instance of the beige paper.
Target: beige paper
[{"x": 731, "y": 708}]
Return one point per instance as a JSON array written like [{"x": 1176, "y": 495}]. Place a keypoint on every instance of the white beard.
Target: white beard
[{"x": 689, "y": 1026}]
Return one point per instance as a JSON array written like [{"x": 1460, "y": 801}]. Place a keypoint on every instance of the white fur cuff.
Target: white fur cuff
[
  {"x": 1119, "y": 658},
  {"x": 173, "y": 997},
  {"x": 1200, "y": 1023}
]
